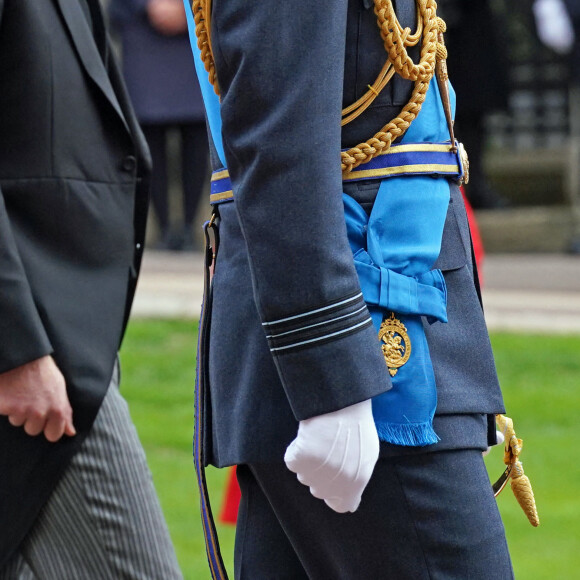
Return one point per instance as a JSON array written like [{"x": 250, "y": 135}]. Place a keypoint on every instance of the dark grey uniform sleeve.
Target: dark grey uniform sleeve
[
  {"x": 22, "y": 335},
  {"x": 280, "y": 68}
]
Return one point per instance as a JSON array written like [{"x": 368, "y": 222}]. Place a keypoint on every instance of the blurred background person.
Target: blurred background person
[
  {"x": 558, "y": 27},
  {"x": 478, "y": 67},
  {"x": 554, "y": 23},
  {"x": 156, "y": 59}
]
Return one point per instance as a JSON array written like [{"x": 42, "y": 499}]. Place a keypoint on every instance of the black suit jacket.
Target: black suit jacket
[{"x": 73, "y": 198}]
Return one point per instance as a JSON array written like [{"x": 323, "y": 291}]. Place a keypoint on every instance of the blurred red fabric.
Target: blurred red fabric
[
  {"x": 232, "y": 496},
  {"x": 475, "y": 237}
]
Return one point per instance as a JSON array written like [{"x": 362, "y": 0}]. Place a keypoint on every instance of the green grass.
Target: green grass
[
  {"x": 158, "y": 378},
  {"x": 540, "y": 377}
]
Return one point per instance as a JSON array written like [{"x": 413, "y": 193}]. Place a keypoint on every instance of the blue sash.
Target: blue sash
[
  {"x": 210, "y": 99},
  {"x": 394, "y": 250}
]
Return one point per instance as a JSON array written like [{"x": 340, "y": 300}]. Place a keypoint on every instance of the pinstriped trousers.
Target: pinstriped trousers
[{"x": 103, "y": 521}]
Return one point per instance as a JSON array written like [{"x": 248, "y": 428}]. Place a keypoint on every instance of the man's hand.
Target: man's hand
[
  {"x": 335, "y": 454},
  {"x": 167, "y": 16},
  {"x": 34, "y": 396}
]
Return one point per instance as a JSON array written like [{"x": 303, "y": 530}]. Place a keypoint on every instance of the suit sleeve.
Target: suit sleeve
[
  {"x": 280, "y": 67},
  {"x": 123, "y": 12},
  {"x": 22, "y": 334}
]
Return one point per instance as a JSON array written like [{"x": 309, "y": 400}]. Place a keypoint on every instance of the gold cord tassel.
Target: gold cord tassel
[{"x": 520, "y": 482}]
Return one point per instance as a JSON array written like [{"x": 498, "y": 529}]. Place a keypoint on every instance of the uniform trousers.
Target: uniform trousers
[
  {"x": 103, "y": 521},
  {"x": 430, "y": 515}
]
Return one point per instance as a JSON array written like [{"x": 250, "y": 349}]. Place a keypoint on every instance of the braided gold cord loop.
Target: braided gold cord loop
[
  {"x": 382, "y": 140},
  {"x": 201, "y": 12},
  {"x": 395, "y": 39},
  {"x": 351, "y": 112}
]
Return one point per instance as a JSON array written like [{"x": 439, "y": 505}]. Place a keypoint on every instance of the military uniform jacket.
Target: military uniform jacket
[
  {"x": 73, "y": 195},
  {"x": 290, "y": 337}
]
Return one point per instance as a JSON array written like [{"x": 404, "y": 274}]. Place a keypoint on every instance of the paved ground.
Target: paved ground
[
  {"x": 532, "y": 292},
  {"x": 522, "y": 292},
  {"x": 170, "y": 285}
]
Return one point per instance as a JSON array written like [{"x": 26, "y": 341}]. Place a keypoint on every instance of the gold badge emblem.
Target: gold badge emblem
[{"x": 397, "y": 347}]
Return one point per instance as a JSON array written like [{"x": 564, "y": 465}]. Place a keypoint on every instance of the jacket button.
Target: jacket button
[{"x": 129, "y": 164}]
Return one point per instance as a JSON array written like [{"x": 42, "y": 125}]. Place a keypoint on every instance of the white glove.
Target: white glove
[
  {"x": 554, "y": 25},
  {"x": 500, "y": 439},
  {"x": 335, "y": 454}
]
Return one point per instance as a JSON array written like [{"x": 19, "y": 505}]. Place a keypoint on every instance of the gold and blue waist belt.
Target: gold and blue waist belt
[{"x": 399, "y": 160}]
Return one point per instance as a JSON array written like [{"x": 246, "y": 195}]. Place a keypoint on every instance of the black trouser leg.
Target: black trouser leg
[
  {"x": 195, "y": 166},
  {"x": 422, "y": 517},
  {"x": 156, "y": 136}
]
